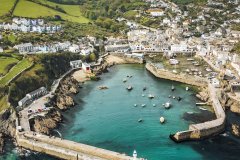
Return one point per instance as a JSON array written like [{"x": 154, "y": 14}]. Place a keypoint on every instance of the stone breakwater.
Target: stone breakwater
[
  {"x": 66, "y": 149},
  {"x": 183, "y": 78},
  {"x": 201, "y": 130}
]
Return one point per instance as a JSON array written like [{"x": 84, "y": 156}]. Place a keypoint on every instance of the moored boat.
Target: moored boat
[
  {"x": 134, "y": 154},
  {"x": 162, "y": 120},
  {"x": 167, "y": 105},
  {"x": 129, "y": 88},
  {"x": 151, "y": 96}
]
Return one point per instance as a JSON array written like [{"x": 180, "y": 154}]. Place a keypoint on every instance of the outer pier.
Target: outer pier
[{"x": 201, "y": 130}]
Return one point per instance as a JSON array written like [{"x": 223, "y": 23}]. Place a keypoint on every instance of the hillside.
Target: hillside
[
  {"x": 32, "y": 9},
  {"x": 6, "y": 6}
]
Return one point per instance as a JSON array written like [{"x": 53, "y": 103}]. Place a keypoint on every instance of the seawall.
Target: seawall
[
  {"x": 183, "y": 78},
  {"x": 201, "y": 130}
]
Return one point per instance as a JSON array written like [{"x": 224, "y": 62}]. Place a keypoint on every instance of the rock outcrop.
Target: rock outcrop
[
  {"x": 7, "y": 126},
  {"x": 63, "y": 99},
  {"x": 47, "y": 123},
  {"x": 236, "y": 130},
  {"x": 203, "y": 95}
]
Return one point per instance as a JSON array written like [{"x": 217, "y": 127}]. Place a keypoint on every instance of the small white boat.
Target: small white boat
[
  {"x": 167, "y": 105},
  {"x": 124, "y": 80},
  {"x": 162, "y": 120},
  {"x": 204, "y": 109},
  {"x": 135, "y": 105},
  {"x": 134, "y": 154},
  {"x": 173, "y": 97},
  {"x": 154, "y": 105},
  {"x": 190, "y": 59},
  {"x": 143, "y": 105},
  {"x": 189, "y": 112},
  {"x": 187, "y": 88},
  {"x": 174, "y": 71},
  {"x": 173, "y": 88},
  {"x": 129, "y": 88},
  {"x": 151, "y": 96},
  {"x": 140, "y": 120},
  {"x": 143, "y": 95}
]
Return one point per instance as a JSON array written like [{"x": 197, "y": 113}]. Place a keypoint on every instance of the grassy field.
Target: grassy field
[
  {"x": 6, "y": 64},
  {"x": 6, "y": 6},
  {"x": 3, "y": 103},
  {"x": 34, "y": 10},
  {"x": 14, "y": 71}
]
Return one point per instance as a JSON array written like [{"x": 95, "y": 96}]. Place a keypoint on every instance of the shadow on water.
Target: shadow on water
[{"x": 222, "y": 147}]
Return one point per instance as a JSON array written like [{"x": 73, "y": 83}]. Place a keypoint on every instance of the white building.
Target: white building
[
  {"x": 1, "y": 49},
  {"x": 24, "y": 48},
  {"x": 156, "y": 12},
  {"x": 76, "y": 64}
]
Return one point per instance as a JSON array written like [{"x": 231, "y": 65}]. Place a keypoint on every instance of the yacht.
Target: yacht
[
  {"x": 167, "y": 105},
  {"x": 129, "y": 88},
  {"x": 150, "y": 96},
  {"x": 134, "y": 154}
]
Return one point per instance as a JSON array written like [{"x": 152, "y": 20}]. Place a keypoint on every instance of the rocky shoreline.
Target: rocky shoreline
[{"x": 63, "y": 99}]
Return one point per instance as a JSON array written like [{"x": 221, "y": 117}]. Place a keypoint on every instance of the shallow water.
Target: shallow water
[{"x": 108, "y": 119}]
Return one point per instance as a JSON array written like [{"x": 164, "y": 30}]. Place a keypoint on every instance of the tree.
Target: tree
[{"x": 92, "y": 57}]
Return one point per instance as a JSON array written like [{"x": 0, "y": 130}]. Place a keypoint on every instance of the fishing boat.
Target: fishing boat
[
  {"x": 129, "y": 88},
  {"x": 134, "y": 154},
  {"x": 124, "y": 80},
  {"x": 179, "y": 98},
  {"x": 167, "y": 105},
  {"x": 173, "y": 88},
  {"x": 162, "y": 120},
  {"x": 190, "y": 59},
  {"x": 151, "y": 96},
  {"x": 204, "y": 109},
  {"x": 102, "y": 87}
]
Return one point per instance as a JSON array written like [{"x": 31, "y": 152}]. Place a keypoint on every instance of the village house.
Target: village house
[
  {"x": 121, "y": 48},
  {"x": 235, "y": 85},
  {"x": 24, "y": 48},
  {"x": 74, "y": 48},
  {"x": 31, "y": 96},
  {"x": 76, "y": 64},
  {"x": 155, "y": 12},
  {"x": 86, "y": 67},
  {"x": 1, "y": 49}
]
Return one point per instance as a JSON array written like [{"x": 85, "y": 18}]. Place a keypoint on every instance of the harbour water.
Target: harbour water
[{"x": 108, "y": 119}]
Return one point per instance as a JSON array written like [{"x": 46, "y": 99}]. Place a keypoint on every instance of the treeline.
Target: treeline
[
  {"x": 69, "y": 2},
  {"x": 46, "y": 69},
  {"x": 57, "y": 8},
  {"x": 93, "y": 9}
]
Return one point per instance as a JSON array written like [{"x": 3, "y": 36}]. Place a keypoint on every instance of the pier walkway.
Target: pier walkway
[{"x": 66, "y": 149}]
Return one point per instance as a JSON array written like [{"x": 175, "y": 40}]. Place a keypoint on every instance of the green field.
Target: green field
[
  {"x": 33, "y": 10},
  {"x": 14, "y": 71},
  {"x": 6, "y": 64},
  {"x": 6, "y": 6}
]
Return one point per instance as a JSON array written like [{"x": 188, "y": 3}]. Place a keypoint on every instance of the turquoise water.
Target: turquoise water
[{"x": 108, "y": 118}]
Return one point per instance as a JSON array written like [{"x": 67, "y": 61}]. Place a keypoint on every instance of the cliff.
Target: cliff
[
  {"x": 63, "y": 99},
  {"x": 46, "y": 124},
  {"x": 7, "y": 126}
]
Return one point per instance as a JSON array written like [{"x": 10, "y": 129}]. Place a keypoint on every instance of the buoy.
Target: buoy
[{"x": 162, "y": 120}]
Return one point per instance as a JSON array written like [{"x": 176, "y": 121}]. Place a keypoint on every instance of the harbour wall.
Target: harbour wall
[
  {"x": 201, "y": 130},
  {"x": 183, "y": 78},
  {"x": 66, "y": 149}
]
